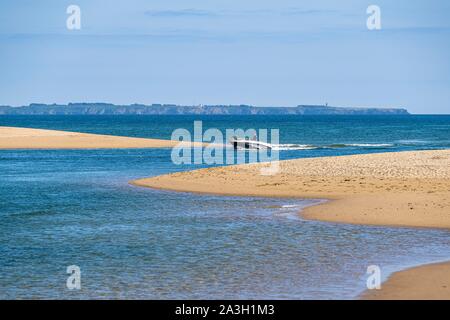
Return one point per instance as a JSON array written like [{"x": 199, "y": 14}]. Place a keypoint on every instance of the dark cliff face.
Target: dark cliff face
[{"x": 136, "y": 109}]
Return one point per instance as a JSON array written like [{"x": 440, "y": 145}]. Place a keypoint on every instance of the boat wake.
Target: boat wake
[
  {"x": 283, "y": 147},
  {"x": 252, "y": 144},
  {"x": 362, "y": 145}
]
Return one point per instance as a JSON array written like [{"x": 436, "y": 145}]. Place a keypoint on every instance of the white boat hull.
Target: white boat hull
[{"x": 249, "y": 144}]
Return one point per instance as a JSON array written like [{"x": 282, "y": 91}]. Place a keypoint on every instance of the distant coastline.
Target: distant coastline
[{"x": 170, "y": 109}]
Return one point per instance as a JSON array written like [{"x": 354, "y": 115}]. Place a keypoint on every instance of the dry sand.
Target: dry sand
[
  {"x": 26, "y": 138},
  {"x": 396, "y": 189}
]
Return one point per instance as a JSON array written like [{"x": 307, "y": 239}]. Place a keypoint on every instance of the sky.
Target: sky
[{"x": 257, "y": 52}]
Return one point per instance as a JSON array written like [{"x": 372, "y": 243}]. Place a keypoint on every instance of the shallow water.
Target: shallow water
[{"x": 67, "y": 207}]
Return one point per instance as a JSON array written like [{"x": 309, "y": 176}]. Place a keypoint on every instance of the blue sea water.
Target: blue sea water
[{"x": 75, "y": 207}]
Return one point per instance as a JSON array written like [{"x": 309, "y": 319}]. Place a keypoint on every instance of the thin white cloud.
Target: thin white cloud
[
  {"x": 179, "y": 13},
  {"x": 192, "y": 12}
]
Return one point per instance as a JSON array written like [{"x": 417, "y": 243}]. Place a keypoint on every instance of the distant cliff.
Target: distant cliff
[{"x": 168, "y": 109}]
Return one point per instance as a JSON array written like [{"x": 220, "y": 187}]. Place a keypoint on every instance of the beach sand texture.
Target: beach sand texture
[
  {"x": 397, "y": 189},
  {"x": 26, "y": 138}
]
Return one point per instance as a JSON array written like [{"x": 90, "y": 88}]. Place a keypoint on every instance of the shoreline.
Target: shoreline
[
  {"x": 12, "y": 138},
  {"x": 401, "y": 189},
  {"x": 428, "y": 281}
]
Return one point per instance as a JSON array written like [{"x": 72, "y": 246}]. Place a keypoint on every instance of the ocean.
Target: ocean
[{"x": 75, "y": 207}]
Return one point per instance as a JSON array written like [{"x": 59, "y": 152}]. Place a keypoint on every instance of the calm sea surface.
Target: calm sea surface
[{"x": 75, "y": 207}]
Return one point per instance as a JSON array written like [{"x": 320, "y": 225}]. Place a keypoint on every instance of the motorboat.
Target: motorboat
[{"x": 253, "y": 144}]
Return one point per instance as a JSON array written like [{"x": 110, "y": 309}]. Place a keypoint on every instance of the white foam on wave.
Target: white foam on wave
[
  {"x": 293, "y": 146},
  {"x": 292, "y": 206},
  {"x": 413, "y": 142},
  {"x": 291, "y": 211},
  {"x": 370, "y": 145},
  {"x": 282, "y": 147}
]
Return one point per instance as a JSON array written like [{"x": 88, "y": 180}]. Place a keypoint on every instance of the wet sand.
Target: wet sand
[
  {"x": 405, "y": 189},
  {"x": 26, "y": 138}
]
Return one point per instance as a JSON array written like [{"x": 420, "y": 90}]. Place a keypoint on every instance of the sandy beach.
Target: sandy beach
[
  {"x": 397, "y": 189},
  {"x": 26, "y": 138},
  {"x": 405, "y": 189}
]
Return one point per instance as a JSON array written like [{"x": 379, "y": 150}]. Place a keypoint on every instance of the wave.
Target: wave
[
  {"x": 291, "y": 206},
  {"x": 282, "y": 147},
  {"x": 371, "y": 145},
  {"x": 362, "y": 145},
  {"x": 413, "y": 142},
  {"x": 398, "y": 143}
]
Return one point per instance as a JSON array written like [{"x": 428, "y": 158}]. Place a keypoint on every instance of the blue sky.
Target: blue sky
[{"x": 265, "y": 53}]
